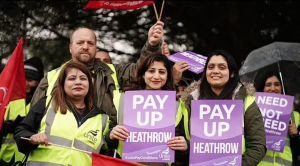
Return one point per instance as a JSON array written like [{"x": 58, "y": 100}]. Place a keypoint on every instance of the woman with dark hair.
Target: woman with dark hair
[
  {"x": 220, "y": 80},
  {"x": 271, "y": 83},
  {"x": 262, "y": 85},
  {"x": 155, "y": 73},
  {"x": 34, "y": 72},
  {"x": 69, "y": 118}
]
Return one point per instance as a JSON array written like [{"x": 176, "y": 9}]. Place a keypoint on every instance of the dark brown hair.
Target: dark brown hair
[
  {"x": 139, "y": 82},
  {"x": 205, "y": 88},
  {"x": 260, "y": 81},
  {"x": 59, "y": 95}
]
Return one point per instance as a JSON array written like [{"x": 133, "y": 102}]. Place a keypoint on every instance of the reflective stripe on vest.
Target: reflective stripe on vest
[
  {"x": 120, "y": 116},
  {"x": 281, "y": 159},
  {"x": 9, "y": 148},
  {"x": 268, "y": 160},
  {"x": 36, "y": 163},
  {"x": 88, "y": 137}
]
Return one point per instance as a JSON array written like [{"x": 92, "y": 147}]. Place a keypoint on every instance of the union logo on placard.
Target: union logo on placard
[
  {"x": 165, "y": 154},
  {"x": 276, "y": 145},
  {"x": 233, "y": 162}
]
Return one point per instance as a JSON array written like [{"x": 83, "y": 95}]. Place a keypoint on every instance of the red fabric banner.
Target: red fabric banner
[
  {"x": 127, "y": 5},
  {"x": 13, "y": 83},
  {"x": 101, "y": 160}
]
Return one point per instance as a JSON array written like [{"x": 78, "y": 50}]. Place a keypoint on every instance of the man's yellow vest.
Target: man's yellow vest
[
  {"x": 281, "y": 159},
  {"x": 8, "y": 146},
  {"x": 88, "y": 137}
]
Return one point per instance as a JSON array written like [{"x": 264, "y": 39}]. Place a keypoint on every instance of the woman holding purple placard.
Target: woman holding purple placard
[
  {"x": 155, "y": 73},
  {"x": 220, "y": 81},
  {"x": 271, "y": 84}
]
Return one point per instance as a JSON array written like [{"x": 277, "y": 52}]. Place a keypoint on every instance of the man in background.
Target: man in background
[{"x": 103, "y": 56}]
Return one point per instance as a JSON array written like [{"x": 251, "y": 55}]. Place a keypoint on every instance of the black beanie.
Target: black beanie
[{"x": 34, "y": 68}]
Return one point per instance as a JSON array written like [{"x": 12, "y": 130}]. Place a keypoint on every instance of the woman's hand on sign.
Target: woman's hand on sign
[
  {"x": 293, "y": 130},
  {"x": 119, "y": 132},
  {"x": 178, "y": 143},
  {"x": 178, "y": 69},
  {"x": 40, "y": 139}
]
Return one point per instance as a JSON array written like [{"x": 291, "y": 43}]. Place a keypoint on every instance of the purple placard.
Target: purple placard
[
  {"x": 216, "y": 133},
  {"x": 196, "y": 61},
  {"x": 276, "y": 110},
  {"x": 150, "y": 118}
]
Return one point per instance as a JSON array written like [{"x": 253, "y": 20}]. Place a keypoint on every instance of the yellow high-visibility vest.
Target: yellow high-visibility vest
[
  {"x": 9, "y": 147},
  {"x": 89, "y": 136}
]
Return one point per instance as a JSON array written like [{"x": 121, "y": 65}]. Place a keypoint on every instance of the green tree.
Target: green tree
[{"x": 198, "y": 26}]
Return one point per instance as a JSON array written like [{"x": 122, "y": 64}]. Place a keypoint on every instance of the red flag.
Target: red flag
[
  {"x": 127, "y": 5},
  {"x": 101, "y": 160},
  {"x": 13, "y": 83}
]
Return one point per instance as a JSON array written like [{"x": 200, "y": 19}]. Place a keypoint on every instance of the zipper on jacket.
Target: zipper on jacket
[
  {"x": 76, "y": 116},
  {"x": 79, "y": 123},
  {"x": 85, "y": 117},
  {"x": 77, "y": 119}
]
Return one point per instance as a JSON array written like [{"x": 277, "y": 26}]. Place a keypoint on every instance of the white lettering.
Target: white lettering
[
  {"x": 274, "y": 124},
  {"x": 216, "y": 112},
  {"x": 204, "y": 110},
  {"x": 150, "y": 102},
  {"x": 213, "y": 148},
  {"x": 228, "y": 111},
  {"x": 161, "y": 101},
  {"x": 154, "y": 118},
  {"x": 270, "y": 113},
  {"x": 213, "y": 132},
  {"x": 139, "y": 115},
  {"x": 275, "y": 101},
  {"x": 137, "y": 99},
  {"x": 221, "y": 129},
  {"x": 149, "y": 137}
]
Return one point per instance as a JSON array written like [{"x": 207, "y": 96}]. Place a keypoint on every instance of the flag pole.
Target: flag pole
[
  {"x": 155, "y": 11},
  {"x": 62, "y": 146},
  {"x": 161, "y": 10}
]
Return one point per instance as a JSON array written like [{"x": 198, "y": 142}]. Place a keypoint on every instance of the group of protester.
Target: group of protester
[{"x": 87, "y": 93}]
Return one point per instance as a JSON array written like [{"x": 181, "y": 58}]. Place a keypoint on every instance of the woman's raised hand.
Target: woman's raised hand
[{"x": 119, "y": 132}]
